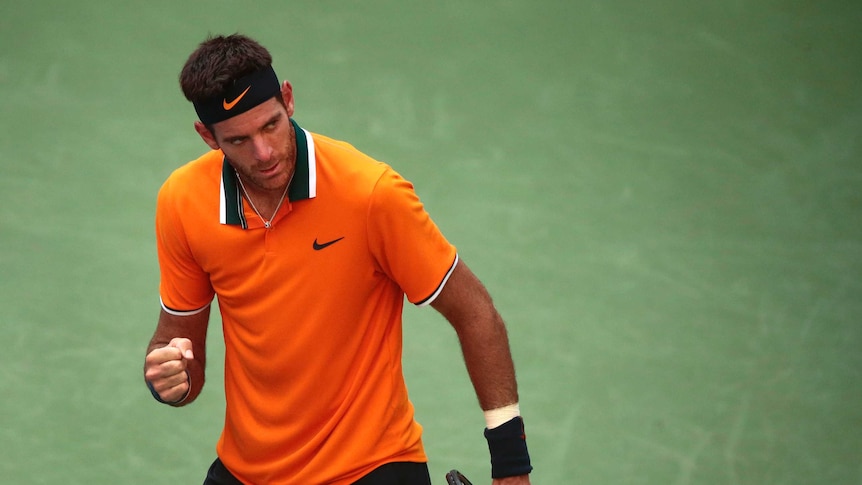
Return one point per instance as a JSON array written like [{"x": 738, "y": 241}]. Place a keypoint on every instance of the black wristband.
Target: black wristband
[{"x": 508, "y": 446}]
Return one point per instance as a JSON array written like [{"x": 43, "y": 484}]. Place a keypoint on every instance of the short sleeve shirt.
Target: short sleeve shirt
[{"x": 311, "y": 307}]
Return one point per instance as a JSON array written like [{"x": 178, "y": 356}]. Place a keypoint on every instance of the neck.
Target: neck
[{"x": 264, "y": 202}]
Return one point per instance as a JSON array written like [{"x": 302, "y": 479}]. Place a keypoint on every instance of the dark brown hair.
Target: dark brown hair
[{"x": 217, "y": 62}]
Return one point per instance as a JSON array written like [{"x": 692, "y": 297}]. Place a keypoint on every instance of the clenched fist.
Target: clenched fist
[{"x": 166, "y": 370}]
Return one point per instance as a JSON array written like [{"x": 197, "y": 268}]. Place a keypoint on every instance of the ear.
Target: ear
[
  {"x": 207, "y": 136},
  {"x": 287, "y": 96}
]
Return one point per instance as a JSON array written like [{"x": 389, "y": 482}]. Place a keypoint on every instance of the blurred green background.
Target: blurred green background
[{"x": 664, "y": 198}]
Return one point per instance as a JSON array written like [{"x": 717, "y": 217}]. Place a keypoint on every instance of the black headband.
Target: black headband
[{"x": 245, "y": 93}]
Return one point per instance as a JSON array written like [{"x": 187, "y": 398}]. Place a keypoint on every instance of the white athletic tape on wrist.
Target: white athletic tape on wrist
[{"x": 496, "y": 417}]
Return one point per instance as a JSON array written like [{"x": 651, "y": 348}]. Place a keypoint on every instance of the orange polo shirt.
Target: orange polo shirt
[{"x": 311, "y": 308}]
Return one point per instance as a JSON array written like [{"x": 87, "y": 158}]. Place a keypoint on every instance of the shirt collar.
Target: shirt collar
[{"x": 302, "y": 186}]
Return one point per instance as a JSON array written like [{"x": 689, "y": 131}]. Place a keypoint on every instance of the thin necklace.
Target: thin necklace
[{"x": 266, "y": 223}]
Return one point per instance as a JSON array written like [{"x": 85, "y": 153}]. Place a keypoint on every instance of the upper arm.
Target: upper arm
[
  {"x": 184, "y": 285},
  {"x": 405, "y": 242},
  {"x": 464, "y": 299}
]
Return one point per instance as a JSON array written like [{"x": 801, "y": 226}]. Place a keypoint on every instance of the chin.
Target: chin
[{"x": 275, "y": 182}]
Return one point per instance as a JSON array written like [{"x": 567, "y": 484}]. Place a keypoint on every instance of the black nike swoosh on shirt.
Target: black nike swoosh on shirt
[{"x": 318, "y": 246}]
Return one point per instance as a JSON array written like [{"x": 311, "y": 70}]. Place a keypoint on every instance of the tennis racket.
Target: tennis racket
[{"x": 455, "y": 477}]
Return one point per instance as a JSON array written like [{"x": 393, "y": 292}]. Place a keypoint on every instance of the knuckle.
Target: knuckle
[{"x": 174, "y": 367}]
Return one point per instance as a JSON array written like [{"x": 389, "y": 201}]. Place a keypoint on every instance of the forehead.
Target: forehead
[{"x": 252, "y": 120}]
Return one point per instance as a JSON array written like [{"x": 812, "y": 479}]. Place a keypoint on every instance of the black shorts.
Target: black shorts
[{"x": 398, "y": 473}]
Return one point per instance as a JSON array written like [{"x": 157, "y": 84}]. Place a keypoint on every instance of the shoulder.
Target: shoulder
[
  {"x": 342, "y": 152},
  {"x": 194, "y": 177},
  {"x": 348, "y": 167}
]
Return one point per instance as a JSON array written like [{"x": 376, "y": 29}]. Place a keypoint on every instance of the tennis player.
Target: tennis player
[{"x": 310, "y": 247}]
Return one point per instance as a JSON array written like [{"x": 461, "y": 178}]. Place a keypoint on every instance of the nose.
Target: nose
[{"x": 262, "y": 149}]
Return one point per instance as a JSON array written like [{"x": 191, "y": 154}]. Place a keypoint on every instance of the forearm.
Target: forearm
[
  {"x": 468, "y": 307},
  {"x": 485, "y": 344},
  {"x": 488, "y": 358}
]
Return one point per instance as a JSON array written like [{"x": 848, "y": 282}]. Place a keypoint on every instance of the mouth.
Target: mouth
[{"x": 270, "y": 170}]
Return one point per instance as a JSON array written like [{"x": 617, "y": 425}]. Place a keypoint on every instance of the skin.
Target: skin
[{"x": 261, "y": 145}]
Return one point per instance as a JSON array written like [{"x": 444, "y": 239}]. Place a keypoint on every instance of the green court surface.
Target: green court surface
[{"x": 664, "y": 198}]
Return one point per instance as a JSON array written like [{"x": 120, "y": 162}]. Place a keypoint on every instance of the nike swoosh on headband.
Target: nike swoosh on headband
[{"x": 228, "y": 106}]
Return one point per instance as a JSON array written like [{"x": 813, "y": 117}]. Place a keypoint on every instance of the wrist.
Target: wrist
[{"x": 507, "y": 445}]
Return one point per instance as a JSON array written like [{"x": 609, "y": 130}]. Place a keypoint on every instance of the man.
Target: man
[{"x": 310, "y": 247}]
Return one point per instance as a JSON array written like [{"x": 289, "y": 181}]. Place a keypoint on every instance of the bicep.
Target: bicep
[{"x": 464, "y": 299}]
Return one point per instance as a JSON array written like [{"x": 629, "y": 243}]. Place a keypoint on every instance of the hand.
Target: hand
[
  {"x": 165, "y": 369},
  {"x": 519, "y": 480}
]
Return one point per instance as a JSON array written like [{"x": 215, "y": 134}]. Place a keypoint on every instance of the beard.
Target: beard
[
  {"x": 271, "y": 176},
  {"x": 259, "y": 178}
]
